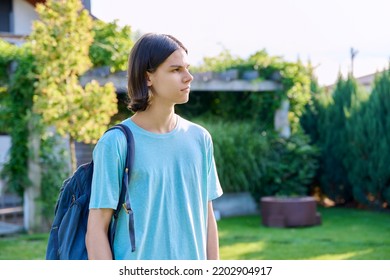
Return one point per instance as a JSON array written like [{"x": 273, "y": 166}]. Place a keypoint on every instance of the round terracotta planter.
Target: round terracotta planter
[{"x": 289, "y": 211}]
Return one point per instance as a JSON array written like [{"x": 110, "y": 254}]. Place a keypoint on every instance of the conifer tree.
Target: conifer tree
[
  {"x": 334, "y": 140},
  {"x": 313, "y": 117},
  {"x": 369, "y": 157},
  {"x": 313, "y": 111}
]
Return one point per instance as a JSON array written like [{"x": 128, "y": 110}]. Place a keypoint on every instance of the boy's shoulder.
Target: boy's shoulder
[
  {"x": 113, "y": 139},
  {"x": 193, "y": 127}
]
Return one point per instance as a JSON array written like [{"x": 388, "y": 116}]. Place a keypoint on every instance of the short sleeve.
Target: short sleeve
[
  {"x": 214, "y": 189},
  {"x": 109, "y": 161}
]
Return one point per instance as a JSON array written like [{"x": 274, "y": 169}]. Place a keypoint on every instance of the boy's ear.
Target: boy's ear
[{"x": 148, "y": 79}]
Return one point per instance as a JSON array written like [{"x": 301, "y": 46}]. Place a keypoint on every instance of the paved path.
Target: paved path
[{"x": 7, "y": 228}]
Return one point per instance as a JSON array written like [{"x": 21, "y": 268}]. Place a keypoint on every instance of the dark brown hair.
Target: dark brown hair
[{"x": 149, "y": 52}]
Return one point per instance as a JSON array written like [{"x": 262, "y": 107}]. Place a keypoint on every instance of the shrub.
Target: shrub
[
  {"x": 261, "y": 162},
  {"x": 237, "y": 147},
  {"x": 290, "y": 166}
]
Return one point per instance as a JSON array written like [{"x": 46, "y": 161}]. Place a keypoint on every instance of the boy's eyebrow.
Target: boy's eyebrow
[{"x": 179, "y": 66}]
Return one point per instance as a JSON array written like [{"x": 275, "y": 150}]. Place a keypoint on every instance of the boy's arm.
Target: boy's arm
[
  {"x": 96, "y": 240},
  {"x": 212, "y": 235}
]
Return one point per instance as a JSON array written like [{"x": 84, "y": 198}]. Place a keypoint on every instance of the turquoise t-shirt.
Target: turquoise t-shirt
[{"x": 173, "y": 179}]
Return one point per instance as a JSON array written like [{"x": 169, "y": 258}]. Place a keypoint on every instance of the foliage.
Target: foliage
[
  {"x": 253, "y": 159},
  {"x": 311, "y": 120},
  {"x": 231, "y": 107},
  {"x": 60, "y": 44},
  {"x": 333, "y": 139},
  {"x": 223, "y": 61},
  {"x": 369, "y": 153},
  {"x": 351, "y": 127},
  {"x": 262, "y": 162},
  {"x": 54, "y": 171},
  {"x": 111, "y": 45},
  {"x": 290, "y": 166},
  {"x": 314, "y": 110},
  {"x": 19, "y": 97},
  {"x": 49, "y": 65},
  {"x": 8, "y": 53},
  {"x": 238, "y": 150},
  {"x": 293, "y": 76}
]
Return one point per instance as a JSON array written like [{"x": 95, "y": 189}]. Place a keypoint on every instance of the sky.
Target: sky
[{"x": 320, "y": 31}]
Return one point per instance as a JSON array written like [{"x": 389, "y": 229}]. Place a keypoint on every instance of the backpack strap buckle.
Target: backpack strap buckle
[{"x": 127, "y": 209}]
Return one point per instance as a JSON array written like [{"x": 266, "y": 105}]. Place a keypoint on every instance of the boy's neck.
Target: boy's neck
[{"x": 156, "y": 120}]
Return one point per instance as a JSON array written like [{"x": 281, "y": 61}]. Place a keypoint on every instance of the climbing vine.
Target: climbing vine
[
  {"x": 17, "y": 103},
  {"x": 294, "y": 78}
]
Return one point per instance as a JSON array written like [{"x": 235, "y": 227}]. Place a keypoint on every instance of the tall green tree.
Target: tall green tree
[
  {"x": 369, "y": 146},
  {"x": 334, "y": 139},
  {"x": 313, "y": 110},
  {"x": 60, "y": 41},
  {"x": 313, "y": 116}
]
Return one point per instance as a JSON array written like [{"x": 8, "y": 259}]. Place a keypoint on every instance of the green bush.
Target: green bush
[
  {"x": 261, "y": 162},
  {"x": 254, "y": 107},
  {"x": 237, "y": 147},
  {"x": 290, "y": 166}
]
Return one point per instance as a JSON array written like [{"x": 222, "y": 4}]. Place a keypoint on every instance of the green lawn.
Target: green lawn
[
  {"x": 23, "y": 247},
  {"x": 344, "y": 234}
]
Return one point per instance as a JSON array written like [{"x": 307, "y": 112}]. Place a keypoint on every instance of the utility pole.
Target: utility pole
[{"x": 353, "y": 54}]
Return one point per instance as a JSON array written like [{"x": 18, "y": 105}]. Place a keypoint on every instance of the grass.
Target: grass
[
  {"x": 344, "y": 234},
  {"x": 23, "y": 247}
]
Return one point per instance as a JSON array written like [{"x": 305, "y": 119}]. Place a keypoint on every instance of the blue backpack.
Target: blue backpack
[{"x": 67, "y": 234}]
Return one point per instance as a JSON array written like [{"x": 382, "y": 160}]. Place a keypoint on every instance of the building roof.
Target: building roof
[
  {"x": 35, "y": 2},
  {"x": 366, "y": 81}
]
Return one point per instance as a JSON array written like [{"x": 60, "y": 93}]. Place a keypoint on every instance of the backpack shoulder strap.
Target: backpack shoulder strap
[{"x": 124, "y": 198}]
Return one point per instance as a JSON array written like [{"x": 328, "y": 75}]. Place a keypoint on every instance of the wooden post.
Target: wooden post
[{"x": 281, "y": 122}]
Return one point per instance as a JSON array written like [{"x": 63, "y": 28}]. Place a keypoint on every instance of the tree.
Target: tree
[
  {"x": 369, "y": 144},
  {"x": 60, "y": 42},
  {"x": 311, "y": 113},
  {"x": 111, "y": 45},
  {"x": 36, "y": 165},
  {"x": 333, "y": 139},
  {"x": 312, "y": 118}
]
